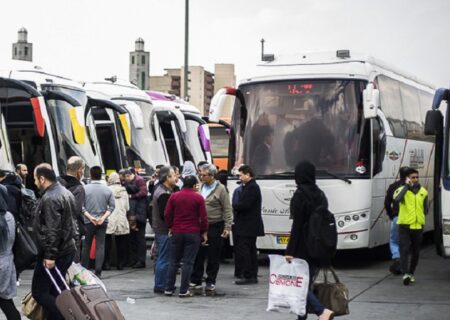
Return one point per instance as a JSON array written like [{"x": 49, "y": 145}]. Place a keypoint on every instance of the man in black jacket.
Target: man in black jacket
[
  {"x": 248, "y": 225},
  {"x": 392, "y": 211},
  {"x": 55, "y": 232},
  {"x": 72, "y": 182}
]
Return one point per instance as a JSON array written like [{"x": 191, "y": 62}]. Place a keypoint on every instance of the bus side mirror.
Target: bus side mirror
[
  {"x": 371, "y": 101},
  {"x": 433, "y": 123},
  {"x": 218, "y": 102}
]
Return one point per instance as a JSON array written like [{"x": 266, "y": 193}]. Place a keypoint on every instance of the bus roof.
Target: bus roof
[
  {"x": 170, "y": 100},
  {"x": 117, "y": 90},
  {"x": 326, "y": 64}
]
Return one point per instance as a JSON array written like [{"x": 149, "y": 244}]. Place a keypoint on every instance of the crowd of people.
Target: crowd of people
[{"x": 191, "y": 215}]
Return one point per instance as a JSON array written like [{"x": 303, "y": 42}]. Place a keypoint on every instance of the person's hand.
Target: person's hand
[
  {"x": 289, "y": 258},
  {"x": 169, "y": 233},
  {"x": 49, "y": 264},
  {"x": 408, "y": 181},
  {"x": 93, "y": 220},
  {"x": 225, "y": 233},
  {"x": 100, "y": 221},
  {"x": 205, "y": 239}
]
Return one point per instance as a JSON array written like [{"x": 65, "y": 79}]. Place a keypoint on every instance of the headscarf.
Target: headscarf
[
  {"x": 305, "y": 173},
  {"x": 188, "y": 169},
  {"x": 4, "y": 230},
  {"x": 113, "y": 178}
]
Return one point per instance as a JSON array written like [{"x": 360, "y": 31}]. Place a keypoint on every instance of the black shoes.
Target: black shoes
[
  {"x": 158, "y": 290},
  {"x": 246, "y": 281},
  {"x": 394, "y": 268},
  {"x": 139, "y": 265}
]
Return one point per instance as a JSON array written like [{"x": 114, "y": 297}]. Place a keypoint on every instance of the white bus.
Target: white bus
[
  {"x": 147, "y": 147},
  {"x": 357, "y": 119},
  {"x": 44, "y": 118},
  {"x": 196, "y": 138},
  {"x": 435, "y": 125}
]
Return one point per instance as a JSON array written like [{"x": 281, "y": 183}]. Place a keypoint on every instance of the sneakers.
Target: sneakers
[
  {"x": 196, "y": 289},
  {"x": 394, "y": 268},
  {"x": 168, "y": 293},
  {"x": 187, "y": 294},
  {"x": 412, "y": 278},
  {"x": 210, "y": 289},
  {"x": 407, "y": 279},
  {"x": 18, "y": 282},
  {"x": 327, "y": 314}
]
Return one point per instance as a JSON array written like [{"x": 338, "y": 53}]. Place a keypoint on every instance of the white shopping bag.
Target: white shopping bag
[{"x": 288, "y": 285}]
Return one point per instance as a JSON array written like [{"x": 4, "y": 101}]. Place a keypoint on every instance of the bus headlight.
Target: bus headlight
[
  {"x": 341, "y": 224},
  {"x": 356, "y": 217},
  {"x": 347, "y": 218},
  {"x": 446, "y": 227}
]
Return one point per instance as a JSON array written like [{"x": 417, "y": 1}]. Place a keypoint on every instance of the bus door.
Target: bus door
[
  {"x": 197, "y": 137},
  {"x": 27, "y": 125},
  {"x": 220, "y": 140},
  {"x": 171, "y": 130},
  {"x": 112, "y": 136},
  {"x": 66, "y": 114}
]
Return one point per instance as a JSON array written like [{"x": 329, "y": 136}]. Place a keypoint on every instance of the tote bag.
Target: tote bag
[
  {"x": 333, "y": 295},
  {"x": 288, "y": 285}
]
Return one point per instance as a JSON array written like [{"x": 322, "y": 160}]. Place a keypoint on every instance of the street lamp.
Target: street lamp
[{"x": 186, "y": 51}]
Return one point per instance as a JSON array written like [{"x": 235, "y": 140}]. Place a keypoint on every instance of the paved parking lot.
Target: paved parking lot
[{"x": 375, "y": 294}]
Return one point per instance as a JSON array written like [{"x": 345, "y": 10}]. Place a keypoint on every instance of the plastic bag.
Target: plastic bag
[
  {"x": 288, "y": 285},
  {"x": 79, "y": 276}
]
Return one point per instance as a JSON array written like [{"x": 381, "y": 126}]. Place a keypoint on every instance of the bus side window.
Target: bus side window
[{"x": 379, "y": 145}]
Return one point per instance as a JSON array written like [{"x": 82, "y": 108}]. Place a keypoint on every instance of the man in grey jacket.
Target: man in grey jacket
[
  {"x": 99, "y": 205},
  {"x": 220, "y": 218}
]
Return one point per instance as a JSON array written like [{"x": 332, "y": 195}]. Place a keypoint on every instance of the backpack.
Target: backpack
[
  {"x": 28, "y": 203},
  {"x": 321, "y": 233}
]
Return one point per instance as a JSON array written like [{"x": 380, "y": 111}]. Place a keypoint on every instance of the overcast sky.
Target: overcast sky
[{"x": 91, "y": 39}]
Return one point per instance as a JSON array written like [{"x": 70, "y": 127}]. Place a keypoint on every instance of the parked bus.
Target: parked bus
[
  {"x": 356, "y": 119},
  {"x": 195, "y": 137},
  {"x": 44, "y": 119},
  {"x": 147, "y": 147},
  {"x": 435, "y": 125}
]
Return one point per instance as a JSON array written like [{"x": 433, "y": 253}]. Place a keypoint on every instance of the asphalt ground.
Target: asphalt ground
[{"x": 374, "y": 292}]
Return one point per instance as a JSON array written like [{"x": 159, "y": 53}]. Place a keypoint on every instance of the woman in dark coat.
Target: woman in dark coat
[
  {"x": 7, "y": 268},
  {"x": 307, "y": 197}
]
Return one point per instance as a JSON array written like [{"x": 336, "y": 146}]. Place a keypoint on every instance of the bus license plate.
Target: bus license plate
[{"x": 282, "y": 240}]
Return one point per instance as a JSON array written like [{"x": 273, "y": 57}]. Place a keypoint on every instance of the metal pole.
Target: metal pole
[{"x": 186, "y": 51}]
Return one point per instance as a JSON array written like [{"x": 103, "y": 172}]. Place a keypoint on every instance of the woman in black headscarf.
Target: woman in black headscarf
[
  {"x": 306, "y": 198},
  {"x": 7, "y": 268}
]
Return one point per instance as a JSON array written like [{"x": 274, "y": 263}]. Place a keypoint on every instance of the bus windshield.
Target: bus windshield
[
  {"x": 144, "y": 152},
  {"x": 59, "y": 113},
  {"x": 284, "y": 122}
]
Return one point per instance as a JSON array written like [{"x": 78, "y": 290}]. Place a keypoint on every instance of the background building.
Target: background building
[
  {"x": 22, "y": 49},
  {"x": 169, "y": 83},
  {"x": 224, "y": 77},
  {"x": 140, "y": 65},
  {"x": 202, "y": 84}
]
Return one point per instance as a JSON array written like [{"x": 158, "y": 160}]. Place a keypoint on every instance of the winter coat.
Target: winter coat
[
  {"x": 138, "y": 201},
  {"x": 247, "y": 212},
  {"x": 7, "y": 267},
  {"x": 13, "y": 184},
  {"x": 55, "y": 224},
  {"x": 307, "y": 197},
  {"x": 76, "y": 187},
  {"x": 118, "y": 222}
]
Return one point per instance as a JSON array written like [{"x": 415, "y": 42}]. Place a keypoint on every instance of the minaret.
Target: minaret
[
  {"x": 140, "y": 65},
  {"x": 22, "y": 49}
]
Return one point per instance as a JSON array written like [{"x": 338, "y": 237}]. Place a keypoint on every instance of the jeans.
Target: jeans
[
  {"x": 312, "y": 303},
  {"x": 246, "y": 256},
  {"x": 162, "y": 261},
  {"x": 100, "y": 234},
  {"x": 211, "y": 253},
  {"x": 409, "y": 241},
  {"x": 393, "y": 241},
  {"x": 42, "y": 288},
  {"x": 138, "y": 247},
  {"x": 9, "y": 309},
  {"x": 183, "y": 248}
]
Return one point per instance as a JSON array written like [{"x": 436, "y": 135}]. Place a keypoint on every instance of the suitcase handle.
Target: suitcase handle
[{"x": 57, "y": 287}]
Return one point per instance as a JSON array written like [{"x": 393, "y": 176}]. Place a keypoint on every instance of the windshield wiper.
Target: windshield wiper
[
  {"x": 278, "y": 174},
  {"x": 335, "y": 176}
]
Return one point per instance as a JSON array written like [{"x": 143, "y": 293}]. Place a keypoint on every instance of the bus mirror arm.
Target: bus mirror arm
[{"x": 371, "y": 101}]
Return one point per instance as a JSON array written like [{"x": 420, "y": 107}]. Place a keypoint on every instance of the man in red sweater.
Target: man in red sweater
[{"x": 186, "y": 217}]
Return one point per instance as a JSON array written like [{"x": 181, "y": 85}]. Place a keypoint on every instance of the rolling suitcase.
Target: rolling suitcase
[{"x": 84, "y": 302}]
